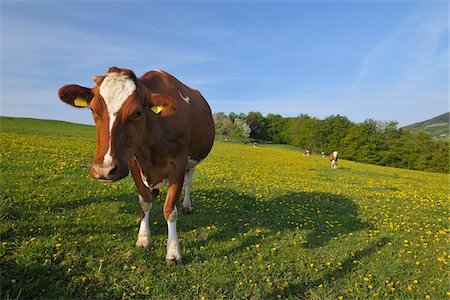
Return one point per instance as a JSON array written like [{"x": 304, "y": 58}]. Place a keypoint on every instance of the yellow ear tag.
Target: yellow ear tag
[
  {"x": 156, "y": 109},
  {"x": 80, "y": 102}
]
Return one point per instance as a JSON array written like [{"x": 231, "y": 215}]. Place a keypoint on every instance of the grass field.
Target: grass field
[{"x": 268, "y": 224}]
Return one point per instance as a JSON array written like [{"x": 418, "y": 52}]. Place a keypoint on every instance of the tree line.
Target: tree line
[{"x": 371, "y": 141}]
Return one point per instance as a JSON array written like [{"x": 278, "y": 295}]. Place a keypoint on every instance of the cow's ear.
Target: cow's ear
[
  {"x": 162, "y": 105},
  {"x": 75, "y": 95}
]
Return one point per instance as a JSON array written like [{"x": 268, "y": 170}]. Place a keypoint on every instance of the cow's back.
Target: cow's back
[{"x": 193, "y": 117}]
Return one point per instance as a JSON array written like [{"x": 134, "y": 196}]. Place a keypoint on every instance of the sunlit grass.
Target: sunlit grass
[{"x": 268, "y": 223}]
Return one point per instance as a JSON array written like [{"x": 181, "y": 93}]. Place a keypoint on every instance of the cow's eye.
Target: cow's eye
[{"x": 138, "y": 114}]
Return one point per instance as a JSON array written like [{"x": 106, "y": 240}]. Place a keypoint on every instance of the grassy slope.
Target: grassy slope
[
  {"x": 268, "y": 223},
  {"x": 435, "y": 127}
]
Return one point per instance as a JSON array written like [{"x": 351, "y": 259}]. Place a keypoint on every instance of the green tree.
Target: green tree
[
  {"x": 331, "y": 131},
  {"x": 223, "y": 124},
  {"x": 439, "y": 157},
  {"x": 258, "y": 125},
  {"x": 364, "y": 143},
  {"x": 306, "y": 135},
  {"x": 276, "y": 125}
]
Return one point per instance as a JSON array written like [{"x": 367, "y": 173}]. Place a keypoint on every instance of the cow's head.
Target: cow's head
[{"x": 123, "y": 110}]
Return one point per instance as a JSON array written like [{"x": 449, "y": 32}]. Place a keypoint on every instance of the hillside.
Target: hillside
[
  {"x": 437, "y": 127},
  {"x": 268, "y": 223}
]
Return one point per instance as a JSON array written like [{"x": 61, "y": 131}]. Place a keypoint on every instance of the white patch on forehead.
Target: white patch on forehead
[{"x": 115, "y": 89}]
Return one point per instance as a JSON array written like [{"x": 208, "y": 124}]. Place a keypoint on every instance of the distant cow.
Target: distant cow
[
  {"x": 306, "y": 153},
  {"x": 333, "y": 159},
  {"x": 154, "y": 126}
]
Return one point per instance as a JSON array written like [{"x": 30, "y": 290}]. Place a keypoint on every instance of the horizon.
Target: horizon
[{"x": 378, "y": 60}]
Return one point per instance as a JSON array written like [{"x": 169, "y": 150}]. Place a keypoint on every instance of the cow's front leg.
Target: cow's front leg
[
  {"x": 144, "y": 229},
  {"x": 145, "y": 202},
  {"x": 170, "y": 214}
]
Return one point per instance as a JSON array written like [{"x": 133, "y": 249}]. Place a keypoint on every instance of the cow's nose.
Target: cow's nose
[{"x": 104, "y": 173}]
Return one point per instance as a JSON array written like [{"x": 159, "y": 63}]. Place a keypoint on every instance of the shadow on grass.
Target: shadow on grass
[
  {"x": 323, "y": 215},
  {"x": 301, "y": 291}
]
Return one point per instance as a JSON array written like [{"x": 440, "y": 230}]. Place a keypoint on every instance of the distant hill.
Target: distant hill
[{"x": 437, "y": 127}]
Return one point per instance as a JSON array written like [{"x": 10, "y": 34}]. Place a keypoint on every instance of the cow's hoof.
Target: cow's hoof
[
  {"x": 187, "y": 211},
  {"x": 174, "y": 261},
  {"x": 146, "y": 246}
]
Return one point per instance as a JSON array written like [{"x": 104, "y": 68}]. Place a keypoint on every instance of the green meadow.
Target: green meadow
[{"x": 268, "y": 223}]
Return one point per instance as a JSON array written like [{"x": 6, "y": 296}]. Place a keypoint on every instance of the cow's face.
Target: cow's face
[{"x": 122, "y": 109}]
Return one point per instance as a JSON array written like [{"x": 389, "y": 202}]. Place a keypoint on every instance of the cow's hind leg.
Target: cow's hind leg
[{"x": 188, "y": 178}]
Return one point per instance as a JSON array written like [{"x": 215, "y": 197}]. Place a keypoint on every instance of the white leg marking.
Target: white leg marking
[
  {"x": 173, "y": 249},
  {"x": 144, "y": 229},
  {"x": 333, "y": 164},
  {"x": 188, "y": 178}
]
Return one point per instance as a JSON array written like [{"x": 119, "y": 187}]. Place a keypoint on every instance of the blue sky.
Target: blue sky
[{"x": 385, "y": 60}]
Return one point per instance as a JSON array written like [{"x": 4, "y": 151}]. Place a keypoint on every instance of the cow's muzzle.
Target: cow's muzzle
[{"x": 108, "y": 173}]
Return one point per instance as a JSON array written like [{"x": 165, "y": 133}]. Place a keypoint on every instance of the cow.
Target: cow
[
  {"x": 155, "y": 127},
  {"x": 334, "y": 159}
]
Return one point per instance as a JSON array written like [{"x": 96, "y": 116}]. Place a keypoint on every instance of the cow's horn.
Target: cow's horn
[{"x": 95, "y": 79}]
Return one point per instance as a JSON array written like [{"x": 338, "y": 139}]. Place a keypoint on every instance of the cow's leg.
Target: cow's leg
[
  {"x": 173, "y": 248},
  {"x": 188, "y": 178},
  {"x": 334, "y": 164},
  {"x": 144, "y": 229},
  {"x": 145, "y": 202},
  {"x": 170, "y": 214}
]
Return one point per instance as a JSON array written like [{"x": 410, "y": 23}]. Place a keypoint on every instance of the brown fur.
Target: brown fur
[{"x": 156, "y": 145}]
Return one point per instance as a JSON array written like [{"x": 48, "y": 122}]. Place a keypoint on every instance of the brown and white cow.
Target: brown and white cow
[
  {"x": 333, "y": 159},
  {"x": 154, "y": 126}
]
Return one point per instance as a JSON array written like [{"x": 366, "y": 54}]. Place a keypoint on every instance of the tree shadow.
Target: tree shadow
[
  {"x": 300, "y": 291},
  {"x": 319, "y": 216},
  {"x": 324, "y": 216}
]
